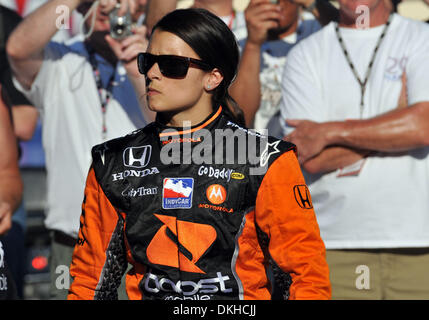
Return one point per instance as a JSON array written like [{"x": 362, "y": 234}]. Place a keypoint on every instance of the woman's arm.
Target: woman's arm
[
  {"x": 27, "y": 42},
  {"x": 100, "y": 235},
  {"x": 284, "y": 211}
]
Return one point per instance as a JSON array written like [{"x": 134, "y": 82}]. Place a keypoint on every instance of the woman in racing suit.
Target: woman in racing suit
[{"x": 200, "y": 206}]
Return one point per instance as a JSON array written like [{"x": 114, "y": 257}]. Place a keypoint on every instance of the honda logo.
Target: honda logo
[
  {"x": 137, "y": 157},
  {"x": 302, "y": 196}
]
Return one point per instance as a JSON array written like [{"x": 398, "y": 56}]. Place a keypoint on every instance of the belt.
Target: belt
[{"x": 64, "y": 239}]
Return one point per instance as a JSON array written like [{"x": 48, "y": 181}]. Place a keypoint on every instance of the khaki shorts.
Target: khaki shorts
[{"x": 379, "y": 274}]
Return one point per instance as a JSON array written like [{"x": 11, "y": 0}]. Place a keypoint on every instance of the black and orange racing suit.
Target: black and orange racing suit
[{"x": 197, "y": 231}]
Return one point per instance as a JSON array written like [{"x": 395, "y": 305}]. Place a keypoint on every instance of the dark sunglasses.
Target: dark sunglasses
[{"x": 170, "y": 66}]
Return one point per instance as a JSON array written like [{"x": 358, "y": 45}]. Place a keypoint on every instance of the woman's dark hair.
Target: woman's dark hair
[{"x": 214, "y": 43}]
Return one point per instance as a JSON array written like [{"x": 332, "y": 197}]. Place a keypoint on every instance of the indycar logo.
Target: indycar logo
[
  {"x": 181, "y": 251},
  {"x": 177, "y": 193}
]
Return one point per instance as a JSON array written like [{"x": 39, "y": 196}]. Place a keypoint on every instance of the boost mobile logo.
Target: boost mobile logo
[
  {"x": 180, "y": 251},
  {"x": 188, "y": 288}
]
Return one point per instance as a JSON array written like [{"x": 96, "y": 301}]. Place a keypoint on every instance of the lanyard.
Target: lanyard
[
  {"x": 105, "y": 94},
  {"x": 368, "y": 70}
]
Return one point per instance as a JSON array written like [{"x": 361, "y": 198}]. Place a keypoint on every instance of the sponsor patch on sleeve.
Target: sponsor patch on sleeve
[{"x": 302, "y": 196}]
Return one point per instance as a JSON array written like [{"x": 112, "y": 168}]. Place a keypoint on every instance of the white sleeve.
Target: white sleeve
[
  {"x": 48, "y": 74},
  {"x": 301, "y": 87},
  {"x": 417, "y": 68}
]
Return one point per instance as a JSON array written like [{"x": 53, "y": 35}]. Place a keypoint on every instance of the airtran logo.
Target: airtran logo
[{"x": 139, "y": 192}]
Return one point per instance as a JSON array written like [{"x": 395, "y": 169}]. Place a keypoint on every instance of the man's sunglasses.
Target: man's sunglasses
[{"x": 170, "y": 66}]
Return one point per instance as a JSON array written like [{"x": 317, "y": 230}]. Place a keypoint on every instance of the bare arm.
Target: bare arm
[
  {"x": 333, "y": 158},
  {"x": 27, "y": 42},
  {"x": 246, "y": 89},
  {"x": 396, "y": 131},
  {"x": 24, "y": 121},
  {"x": 10, "y": 178}
]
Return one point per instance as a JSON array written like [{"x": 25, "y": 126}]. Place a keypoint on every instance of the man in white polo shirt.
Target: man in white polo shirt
[{"x": 356, "y": 103}]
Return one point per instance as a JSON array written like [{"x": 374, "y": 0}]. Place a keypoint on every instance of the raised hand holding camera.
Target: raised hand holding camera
[
  {"x": 120, "y": 26},
  {"x": 126, "y": 50}
]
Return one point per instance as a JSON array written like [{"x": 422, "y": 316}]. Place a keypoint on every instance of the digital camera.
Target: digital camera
[{"x": 120, "y": 26}]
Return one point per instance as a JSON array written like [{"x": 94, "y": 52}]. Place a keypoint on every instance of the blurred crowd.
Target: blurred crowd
[{"x": 347, "y": 84}]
